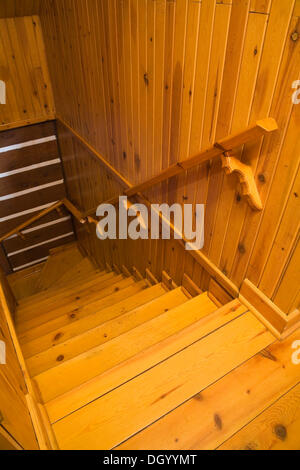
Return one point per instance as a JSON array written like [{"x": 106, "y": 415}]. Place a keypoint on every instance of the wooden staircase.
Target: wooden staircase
[{"x": 111, "y": 352}]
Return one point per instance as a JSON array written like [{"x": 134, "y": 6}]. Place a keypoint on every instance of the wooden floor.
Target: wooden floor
[{"x": 122, "y": 364}]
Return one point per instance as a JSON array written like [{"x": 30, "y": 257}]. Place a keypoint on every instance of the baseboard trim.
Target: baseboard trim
[{"x": 279, "y": 323}]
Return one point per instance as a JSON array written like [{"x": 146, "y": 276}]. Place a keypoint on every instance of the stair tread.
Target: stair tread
[
  {"x": 77, "y": 314},
  {"x": 23, "y": 283},
  {"x": 57, "y": 264},
  {"x": 263, "y": 379},
  {"x": 54, "y": 300},
  {"x": 97, "y": 360},
  {"x": 74, "y": 301},
  {"x": 103, "y": 424},
  {"x": 95, "y": 316},
  {"x": 105, "y": 332},
  {"x": 128, "y": 369},
  {"x": 58, "y": 292},
  {"x": 82, "y": 270}
]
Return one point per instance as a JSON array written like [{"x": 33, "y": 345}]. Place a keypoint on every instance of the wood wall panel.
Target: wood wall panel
[
  {"x": 11, "y": 8},
  {"x": 24, "y": 70},
  {"x": 147, "y": 83}
]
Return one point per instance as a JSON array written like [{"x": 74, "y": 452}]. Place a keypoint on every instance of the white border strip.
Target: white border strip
[
  {"x": 30, "y": 167},
  {"x": 30, "y": 264},
  {"x": 31, "y": 190},
  {"x": 29, "y": 143},
  {"x": 39, "y": 227},
  {"x": 40, "y": 244},
  {"x": 29, "y": 211}
]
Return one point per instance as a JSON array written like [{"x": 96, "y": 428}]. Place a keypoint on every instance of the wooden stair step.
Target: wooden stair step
[
  {"x": 265, "y": 432},
  {"x": 82, "y": 270},
  {"x": 60, "y": 297},
  {"x": 74, "y": 283},
  {"x": 84, "y": 367},
  {"x": 62, "y": 291},
  {"x": 63, "y": 248},
  {"x": 77, "y": 300},
  {"x": 23, "y": 283},
  {"x": 94, "y": 315},
  {"x": 105, "y": 332},
  {"x": 108, "y": 421},
  {"x": 142, "y": 361},
  {"x": 57, "y": 265},
  {"x": 78, "y": 313},
  {"x": 236, "y": 399}
]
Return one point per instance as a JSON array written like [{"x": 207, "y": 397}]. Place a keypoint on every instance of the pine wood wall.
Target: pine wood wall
[
  {"x": 150, "y": 82},
  {"x": 23, "y": 68}
]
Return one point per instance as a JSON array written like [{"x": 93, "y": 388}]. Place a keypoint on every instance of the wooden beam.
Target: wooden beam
[
  {"x": 151, "y": 278},
  {"x": 26, "y": 122},
  {"x": 217, "y": 293},
  {"x": 190, "y": 286},
  {"x": 168, "y": 281}
]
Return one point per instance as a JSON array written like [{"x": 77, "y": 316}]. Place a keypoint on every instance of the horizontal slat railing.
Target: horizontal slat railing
[{"x": 64, "y": 202}]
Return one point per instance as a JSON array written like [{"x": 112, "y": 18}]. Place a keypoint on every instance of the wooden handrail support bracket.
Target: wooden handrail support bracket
[{"x": 246, "y": 177}]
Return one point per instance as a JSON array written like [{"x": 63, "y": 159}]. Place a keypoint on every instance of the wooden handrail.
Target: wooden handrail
[
  {"x": 222, "y": 146},
  {"x": 64, "y": 202},
  {"x": 74, "y": 211}
]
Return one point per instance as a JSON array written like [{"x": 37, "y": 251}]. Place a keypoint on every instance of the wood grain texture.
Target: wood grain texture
[
  {"x": 105, "y": 332},
  {"x": 213, "y": 416},
  {"x": 86, "y": 366},
  {"x": 201, "y": 72},
  {"x": 24, "y": 70},
  {"x": 13, "y": 389},
  {"x": 277, "y": 428},
  {"x": 32, "y": 167},
  {"x": 159, "y": 390}
]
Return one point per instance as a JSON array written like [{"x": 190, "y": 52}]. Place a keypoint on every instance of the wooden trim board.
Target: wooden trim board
[{"x": 280, "y": 323}]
